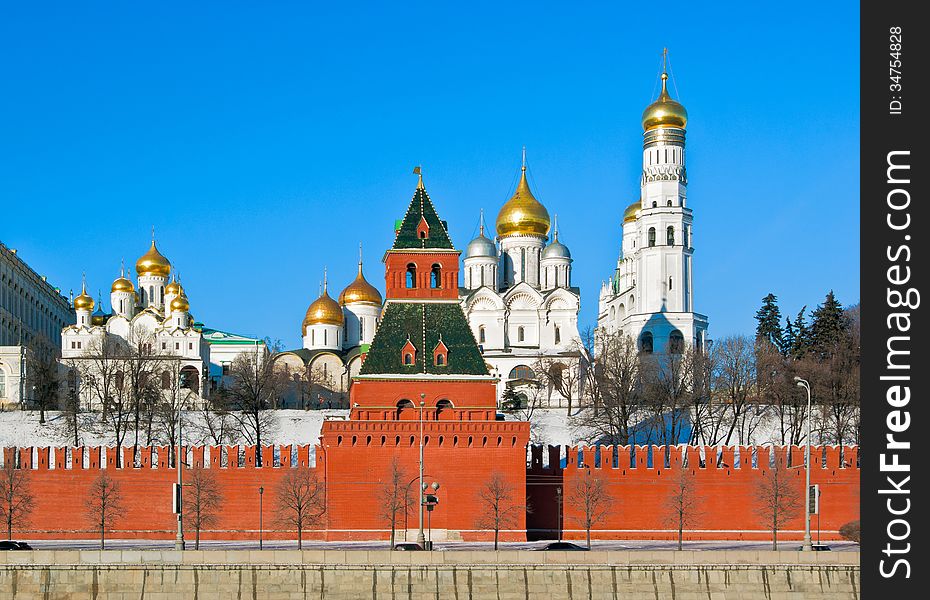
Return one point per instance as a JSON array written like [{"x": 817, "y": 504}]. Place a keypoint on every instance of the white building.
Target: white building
[
  {"x": 650, "y": 296},
  {"x": 518, "y": 296},
  {"x": 335, "y": 334},
  {"x": 31, "y": 311},
  {"x": 152, "y": 316}
]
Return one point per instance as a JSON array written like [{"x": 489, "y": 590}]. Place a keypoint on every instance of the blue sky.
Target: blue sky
[{"x": 265, "y": 142}]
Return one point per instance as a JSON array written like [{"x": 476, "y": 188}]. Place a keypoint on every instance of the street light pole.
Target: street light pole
[
  {"x": 807, "y": 460},
  {"x": 179, "y": 540},
  {"x": 261, "y": 491},
  {"x": 420, "y": 539}
]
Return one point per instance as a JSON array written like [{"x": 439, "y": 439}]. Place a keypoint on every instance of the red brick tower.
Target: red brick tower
[{"x": 424, "y": 377}]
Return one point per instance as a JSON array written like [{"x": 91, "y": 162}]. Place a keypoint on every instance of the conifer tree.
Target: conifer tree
[
  {"x": 801, "y": 342},
  {"x": 769, "y": 318},
  {"x": 829, "y": 327}
]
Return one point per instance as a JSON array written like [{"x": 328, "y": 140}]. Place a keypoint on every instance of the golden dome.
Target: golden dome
[
  {"x": 323, "y": 310},
  {"x": 174, "y": 288},
  {"x": 523, "y": 214},
  {"x": 83, "y": 301},
  {"x": 154, "y": 263},
  {"x": 664, "y": 112},
  {"x": 121, "y": 284},
  {"x": 632, "y": 211},
  {"x": 360, "y": 291},
  {"x": 180, "y": 304}
]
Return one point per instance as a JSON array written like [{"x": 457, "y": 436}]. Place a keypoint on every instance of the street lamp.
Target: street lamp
[
  {"x": 261, "y": 491},
  {"x": 430, "y": 501},
  {"x": 807, "y": 461},
  {"x": 179, "y": 540},
  {"x": 420, "y": 539},
  {"x": 558, "y": 500}
]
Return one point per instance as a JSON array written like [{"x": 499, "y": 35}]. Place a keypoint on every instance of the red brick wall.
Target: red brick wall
[
  {"x": 395, "y": 276},
  {"x": 385, "y": 394},
  {"x": 726, "y": 494}
]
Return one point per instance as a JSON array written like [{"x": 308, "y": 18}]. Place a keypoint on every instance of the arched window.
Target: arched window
[
  {"x": 521, "y": 334},
  {"x": 669, "y": 284},
  {"x": 361, "y": 329},
  {"x": 422, "y": 235},
  {"x": 443, "y": 407},
  {"x": 312, "y": 337},
  {"x": 165, "y": 380},
  {"x": 404, "y": 406},
  {"x": 481, "y": 334},
  {"x": 411, "y": 276},
  {"x": 522, "y": 372},
  {"x": 655, "y": 204},
  {"x": 2, "y": 383},
  {"x": 676, "y": 342},
  {"x": 408, "y": 358},
  {"x": 685, "y": 237},
  {"x": 652, "y": 237},
  {"x": 670, "y": 236},
  {"x": 435, "y": 277},
  {"x": 558, "y": 335},
  {"x": 190, "y": 379},
  {"x": 325, "y": 337},
  {"x": 645, "y": 342},
  {"x": 669, "y": 203}
]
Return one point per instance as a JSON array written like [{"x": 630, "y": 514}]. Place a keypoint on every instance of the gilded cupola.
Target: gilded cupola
[
  {"x": 153, "y": 263},
  {"x": 523, "y": 214},
  {"x": 360, "y": 291},
  {"x": 323, "y": 311},
  {"x": 632, "y": 212},
  {"x": 83, "y": 301},
  {"x": 180, "y": 304},
  {"x": 664, "y": 112}
]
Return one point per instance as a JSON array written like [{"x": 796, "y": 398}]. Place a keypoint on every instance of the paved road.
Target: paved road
[{"x": 445, "y": 546}]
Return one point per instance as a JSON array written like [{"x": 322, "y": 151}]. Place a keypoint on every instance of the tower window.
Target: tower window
[
  {"x": 558, "y": 335},
  {"x": 411, "y": 276},
  {"x": 481, "y": 334},
  {"x": 652, "y": 237},
  {"x": 654, "y": 204},
  {"x": 361, "y": 329},
  {"x": 440, "y": 360},
  {"x": 684, "y": 241},
  {"x": 408, "y": 358},
  {"x": 676, "y": 342},
  {"x": 521, "y": 334},
  {"x": 669, "y": 203},
  {"x": 670, "y": 236},
  {"x": 645, "y": 342},
  {"x": 435, "y": 277},
  {"x": 669, "y": 284}
]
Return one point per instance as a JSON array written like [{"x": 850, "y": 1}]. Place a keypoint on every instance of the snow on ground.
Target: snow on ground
[{"x": 22, "y": 428}]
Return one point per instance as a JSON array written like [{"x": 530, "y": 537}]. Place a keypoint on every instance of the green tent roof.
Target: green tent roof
[
  {"x": 423, "y": 323},
  {"x": 421, "y": 207}
]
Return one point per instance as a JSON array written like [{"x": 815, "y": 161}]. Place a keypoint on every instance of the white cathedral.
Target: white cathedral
[
  {"x": 153, "y": 316},
  {"x": 649, "y": 295},
  {"x": 518, "y": 296}
]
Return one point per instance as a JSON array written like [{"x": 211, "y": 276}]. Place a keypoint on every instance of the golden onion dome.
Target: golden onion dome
[
  {"x": 632, "y": 211},
  {"x": 664, "y": 112},
  {"x": 180, "y": 304},
  {"x": 523, "y": 214},
  {"x": 323, "y": 311},
  {"x": 83, "y": 301},
  {"x": 99, "y": 317},
  {"x": 121, "y": 284},
  {"x": 174, "y": 288},
  {"x": 360, "y": 291},
  {"x": 154, "y": 263}
]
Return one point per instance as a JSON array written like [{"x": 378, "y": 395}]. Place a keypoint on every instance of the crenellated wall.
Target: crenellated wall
[
  {"x": 641, "y": 481},
  {"x": 355, "y": 462}
]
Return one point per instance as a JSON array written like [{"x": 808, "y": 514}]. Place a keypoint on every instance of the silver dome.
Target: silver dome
[
  {"x": 556, "y": 250},
  {"x": 481, "y": 246}
]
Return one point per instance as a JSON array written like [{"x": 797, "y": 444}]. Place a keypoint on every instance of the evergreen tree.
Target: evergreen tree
[
  {"x": 769, "y": 327},
  {"x": 829, "y": 326},
  {"x": 789, "y": 336},
  {"x": 801, "y": 341}
]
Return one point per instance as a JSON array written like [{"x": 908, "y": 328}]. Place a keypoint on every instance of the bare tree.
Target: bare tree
[
  {"x": 591, "y": 497},
  {"x": 215, "y": 425},
  {"x": 104, "y": 504},
  {"x": 43, "y": 376},
  {"x": 254, "y": 388},
  {"x": 16, "y": 500},
  {"x": 394, "y": 496},
  {"x": 777, "y": 498},
  {"x": 559, "y": 376},
  {"x": 735, "y": 379},
  {"x": 202, "y": 501},
  {"x": 612, "y": 385},
  {"x": 101, "y": 360},
  {"x": 683, "y": 503},
  {"x": 140, "y": 374},
  {"x": 498, "y": 504},
  {"x": 301, "y": 500}
]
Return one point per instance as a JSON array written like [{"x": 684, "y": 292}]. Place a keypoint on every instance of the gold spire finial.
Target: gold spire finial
[
  {"x": 153, "y": 234},
  {"x": 481, "y": 222},
  {"x": 360, "y": 256},
  {"x": 122, "y": 267},
  {"x": 83, "y": 282},
  {"x": 665, "y": 60},
  {"x": 524, "y": 158},
  {"x": 555, "y": 223},
  {"x": 418, "y": 171},
  {"x": 324, "y": 280}
]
